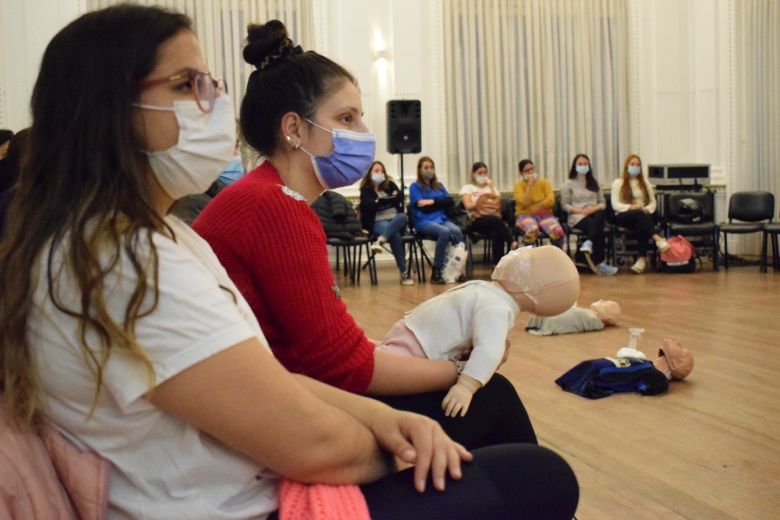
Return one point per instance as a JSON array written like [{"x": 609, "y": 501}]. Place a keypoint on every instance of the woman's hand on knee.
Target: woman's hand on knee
[{"x": 419, "y": 441}]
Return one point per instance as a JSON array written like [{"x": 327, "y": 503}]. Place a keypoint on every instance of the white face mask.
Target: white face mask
[
  {"x": 206, "y": 145},
  {"x": 481, "y": 180},
  {"x": 529, "y": 176}
]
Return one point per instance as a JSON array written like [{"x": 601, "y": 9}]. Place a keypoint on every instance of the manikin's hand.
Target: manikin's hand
[{"x": 458, "y": 399}]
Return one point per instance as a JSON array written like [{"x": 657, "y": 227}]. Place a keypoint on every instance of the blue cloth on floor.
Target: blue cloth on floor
[{"x": 597, "y": 378}]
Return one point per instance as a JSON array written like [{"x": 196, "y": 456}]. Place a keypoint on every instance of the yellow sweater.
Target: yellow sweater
[{"x": 541, "y": 194}]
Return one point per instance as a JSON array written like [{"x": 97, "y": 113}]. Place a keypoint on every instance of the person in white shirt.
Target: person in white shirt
[
  {"x": 119, "y": 327},
  {"x": 633, "y": 202},
  {"x": 472, "y": 321},
  {"x": 483, "y": 203}
]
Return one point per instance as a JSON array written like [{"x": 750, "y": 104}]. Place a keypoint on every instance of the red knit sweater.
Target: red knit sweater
[{"x": 273, "y": 247}]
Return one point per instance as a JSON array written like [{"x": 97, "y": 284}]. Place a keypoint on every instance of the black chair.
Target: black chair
[
  {"x": 752, "y": 209},
  {"x": 352, "y": 251},
  {"x": 771, "y": 231},
  {"x": 692, "y": 215}
]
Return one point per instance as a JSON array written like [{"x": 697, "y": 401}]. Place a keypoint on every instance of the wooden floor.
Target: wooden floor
[{"x": 707, "y": 449}]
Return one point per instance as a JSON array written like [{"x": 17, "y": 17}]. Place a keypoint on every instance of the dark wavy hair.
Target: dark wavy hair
[
  {"x": 286, "y": 79},
  {"x": 85, "y": 190},
  {"x": 522, "y": 164},
  {"x": 590, "y": 181}
]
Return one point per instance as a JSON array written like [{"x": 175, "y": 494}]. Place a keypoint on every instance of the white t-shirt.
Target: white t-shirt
[
  {"x": 475, "y": 313},
  {"x": 473, "y": 192},
  {"x": 161, "y": 466}
]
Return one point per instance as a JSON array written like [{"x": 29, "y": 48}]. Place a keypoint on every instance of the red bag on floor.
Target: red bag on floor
[{"x": 680, "y": 257}]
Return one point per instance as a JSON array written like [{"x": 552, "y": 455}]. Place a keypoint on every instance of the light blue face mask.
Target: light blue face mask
[
  {"x": 582, "y": 169},
  {"x": 353, "y": 153},
  {"x": 634, "y": 170}
]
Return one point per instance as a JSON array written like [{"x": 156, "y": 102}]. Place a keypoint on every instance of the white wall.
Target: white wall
[
  {"x": 682, "y": 85},
  {"x": 26, "y": 26}
]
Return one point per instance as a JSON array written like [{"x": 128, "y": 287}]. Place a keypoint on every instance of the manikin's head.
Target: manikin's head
[
  {"x": 543, "y": 280},
  {"x": 607, "y": 311},
  {"x": 675, "y": 361}
]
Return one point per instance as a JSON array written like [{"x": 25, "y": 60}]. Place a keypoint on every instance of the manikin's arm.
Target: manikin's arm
[{"x": 489, "y": 338}]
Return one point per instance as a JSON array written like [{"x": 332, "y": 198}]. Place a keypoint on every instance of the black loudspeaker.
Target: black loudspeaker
[{"x": 403, "y": 126}]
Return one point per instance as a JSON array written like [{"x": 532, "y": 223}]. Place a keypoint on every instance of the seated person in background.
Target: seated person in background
[
  {"x": 120, "y": 328},
  {"x": 582, "y": 200},
  {"x": 576, "y": 319},
  {"x": 483, "y": 203},
  {"x": 633, "y": 201},
  {"x": 534, "y": 202},
  {"x": 272, "y": 244},
  {"x": 473, "y": 319},
  {"x": 381, "y": 213},
  {"x": 429, "y": 200}
]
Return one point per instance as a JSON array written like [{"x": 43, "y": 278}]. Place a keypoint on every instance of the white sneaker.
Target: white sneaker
[
  {"x": 377, "y": 248},
  {"x": 406, "y": 279},
  {"x": 605, "y": 269},
  {"x": 639, "y": 266},
  {"x": 662, "y": 245},
  {"x": 587, "y": 247}
]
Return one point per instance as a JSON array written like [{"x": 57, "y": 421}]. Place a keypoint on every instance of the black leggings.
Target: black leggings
[
  {"x": 593, "y": 225},
  {"x": 498, "y": 232},
  {"x": 517, "y": 481},
  {"x": 640, "y": 224},
  {"x": 496, "y": 415}
]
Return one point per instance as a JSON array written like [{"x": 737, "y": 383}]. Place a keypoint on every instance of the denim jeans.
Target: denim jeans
[
  {"x": 392, "y": 229},
  {"x": 445, "y": 233}
]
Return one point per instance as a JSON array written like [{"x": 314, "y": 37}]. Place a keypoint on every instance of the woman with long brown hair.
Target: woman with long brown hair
[{"x": 633, "y": 202}]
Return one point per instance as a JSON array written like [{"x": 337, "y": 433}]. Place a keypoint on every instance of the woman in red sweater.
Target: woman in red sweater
[{"x": 303, "y": 113}]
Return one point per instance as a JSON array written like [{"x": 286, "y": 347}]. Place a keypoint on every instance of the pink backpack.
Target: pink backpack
[{"x": 680, "y": 257}]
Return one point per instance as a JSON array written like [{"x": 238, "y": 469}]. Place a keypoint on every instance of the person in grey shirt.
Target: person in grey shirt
[{"x": 582, "y": 200}]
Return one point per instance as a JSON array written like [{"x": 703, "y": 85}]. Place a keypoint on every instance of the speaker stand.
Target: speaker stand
[{"x": 403, "y": 188}]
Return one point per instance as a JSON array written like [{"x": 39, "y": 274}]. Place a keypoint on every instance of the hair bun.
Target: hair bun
[{"x": 267, "y": 44}]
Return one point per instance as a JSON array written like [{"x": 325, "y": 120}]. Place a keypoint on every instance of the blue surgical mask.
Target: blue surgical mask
[
  {"x": 634, "y": 170},
  {"x": 582, "y": 169},
  {"x": 377, "y": 178},
  {"x": 353, "y": 153}
]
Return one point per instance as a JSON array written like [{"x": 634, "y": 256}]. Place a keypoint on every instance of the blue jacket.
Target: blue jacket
[{"x": 433, "y": 214}]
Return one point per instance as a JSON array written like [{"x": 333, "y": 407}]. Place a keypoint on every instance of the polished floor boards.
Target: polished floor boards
[{"x": 707, "y": 449}]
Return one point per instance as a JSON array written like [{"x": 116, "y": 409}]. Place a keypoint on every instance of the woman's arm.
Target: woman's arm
[
  {"x": 395, "y": 374},
  {"x": 549, "y": 196},
  {"x": 651, "y": 205},
  {"x": 466, "y": 197},
  {"x": 566, "y": 198},
  {"x": 243, "y": 397}
]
